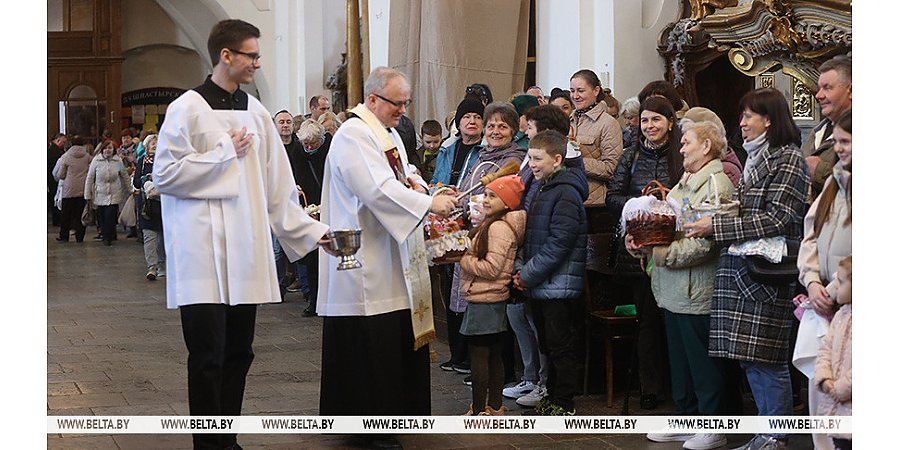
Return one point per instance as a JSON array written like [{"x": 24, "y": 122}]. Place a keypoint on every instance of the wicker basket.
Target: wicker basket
[
  {"x": 311, "y": 210},
  {"x": 445, "y": 242},
  {"x": 650, "y": 229}
]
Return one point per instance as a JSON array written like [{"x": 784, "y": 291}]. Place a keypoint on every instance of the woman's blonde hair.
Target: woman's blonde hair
[
  {"x": 706, "y": 130},
  {"x": 328, "y": 115}
]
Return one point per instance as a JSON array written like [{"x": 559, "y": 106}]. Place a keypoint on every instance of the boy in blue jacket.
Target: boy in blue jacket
[{"x": 552, "y": 265}]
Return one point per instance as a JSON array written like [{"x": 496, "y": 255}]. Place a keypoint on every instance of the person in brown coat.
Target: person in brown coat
[{"x": 597, "y": 133}]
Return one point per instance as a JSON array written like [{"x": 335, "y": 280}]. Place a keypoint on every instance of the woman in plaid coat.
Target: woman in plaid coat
[{"x": 751, "y": 322}]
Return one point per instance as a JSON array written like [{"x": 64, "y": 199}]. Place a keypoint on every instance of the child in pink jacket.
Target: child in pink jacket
[
  {"x": 833, "y": 365},
  {"x": 485, "y": 274}
]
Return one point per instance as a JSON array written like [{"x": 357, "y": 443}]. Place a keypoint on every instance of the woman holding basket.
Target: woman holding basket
[
  {"x": 654, "y": 157},
  {"x": 750, "y": 320},
  {"x": 682, "y": 277}
]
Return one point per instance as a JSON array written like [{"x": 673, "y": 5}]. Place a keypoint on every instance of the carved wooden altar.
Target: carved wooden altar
[{"x": 765, "y": 39}]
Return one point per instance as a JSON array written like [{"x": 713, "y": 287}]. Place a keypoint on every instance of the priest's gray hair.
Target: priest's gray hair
[
  {"x": 311, "y": 131},
  {"x": 379, "y": 79}
]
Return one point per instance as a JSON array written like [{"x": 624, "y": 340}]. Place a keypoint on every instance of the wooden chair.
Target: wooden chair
[
  {"x": 599, "y": 312},
  {"x": 612, "y": 329}
]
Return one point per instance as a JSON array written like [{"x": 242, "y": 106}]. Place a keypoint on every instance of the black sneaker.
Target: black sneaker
[
  {"x": 467, "y": 380},
  {"x": 447, "y": 366},
  {"x": 649, "y": 401},
  {"x": 308, "y": 312}
]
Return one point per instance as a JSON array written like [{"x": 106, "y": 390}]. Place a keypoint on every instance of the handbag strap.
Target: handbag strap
[{"x": 713, "y": 186}]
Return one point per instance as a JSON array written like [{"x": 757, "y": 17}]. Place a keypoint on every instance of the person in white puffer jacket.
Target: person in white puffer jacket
[{"x": 106, "y": 186}]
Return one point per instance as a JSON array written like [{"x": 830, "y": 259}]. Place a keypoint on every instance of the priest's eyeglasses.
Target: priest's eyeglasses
[
  {"x": 254, "y": 57},
  {"x": 397, "y": 104}
]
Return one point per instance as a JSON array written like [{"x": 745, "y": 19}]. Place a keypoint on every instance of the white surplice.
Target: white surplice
[
  {"x": 218, "y": 209},
  {"x": 360, "y": 191}
]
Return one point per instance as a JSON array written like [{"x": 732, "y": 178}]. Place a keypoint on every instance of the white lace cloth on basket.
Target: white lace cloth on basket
[{"x": 770, "y": 248}]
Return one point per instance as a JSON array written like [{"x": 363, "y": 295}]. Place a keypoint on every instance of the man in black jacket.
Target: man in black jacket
[
  {"x": 307, "y": 155},
  {"x": 54, "y": 152}
]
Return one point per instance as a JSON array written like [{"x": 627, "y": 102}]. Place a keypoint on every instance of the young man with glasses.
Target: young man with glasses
[{"x": 225, "y": 180}]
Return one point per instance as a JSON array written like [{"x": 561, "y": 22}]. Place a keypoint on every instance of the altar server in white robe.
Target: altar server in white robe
[
  {"x": 225, "y": 181},
  {"x": 377, "y": 319}
]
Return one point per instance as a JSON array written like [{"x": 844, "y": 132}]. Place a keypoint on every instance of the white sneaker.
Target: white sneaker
[
  {"x": 519, "y": 390},
  {"x": 532, "y": 398},
  {"x": 705, "y": 441},
  {"x": 669, "y": 437}
]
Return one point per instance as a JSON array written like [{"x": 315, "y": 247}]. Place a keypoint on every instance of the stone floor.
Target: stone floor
[{"x": 114, "y": 349}]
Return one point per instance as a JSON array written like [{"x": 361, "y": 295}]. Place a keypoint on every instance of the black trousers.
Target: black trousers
[
  {"x": 311, "y": 261},
  {"x": 108, "y": 216},
  {"x": 651, "y": 340},
  {"x": 70, "y": 219},
  {"x": 555, "y": 323},
  {"x": 219, "y": 341},
  {"x": 55, "y": 214}
]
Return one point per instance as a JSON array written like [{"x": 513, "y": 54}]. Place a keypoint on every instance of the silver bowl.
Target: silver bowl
[{"x": 346, "y": 244}]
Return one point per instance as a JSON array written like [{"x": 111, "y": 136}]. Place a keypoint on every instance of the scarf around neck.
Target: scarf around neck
[
  {"x": 583, "y": 111},
  {"x": 754, "y": 148}
]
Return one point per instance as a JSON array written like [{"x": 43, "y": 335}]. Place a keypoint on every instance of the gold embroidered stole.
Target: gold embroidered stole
[{"x": 416, "y": 272}]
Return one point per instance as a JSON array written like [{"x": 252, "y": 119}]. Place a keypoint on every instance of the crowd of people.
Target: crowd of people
[{"x": 521, "y": 284}]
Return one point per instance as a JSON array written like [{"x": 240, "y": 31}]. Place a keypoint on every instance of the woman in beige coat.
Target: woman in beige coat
[{"x": 599, "y": 139}]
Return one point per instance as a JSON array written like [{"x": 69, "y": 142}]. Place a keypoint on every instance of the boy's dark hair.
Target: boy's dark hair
[
  {"x": 548, "y": 117},
  {"x": 229, "y": 34},
  {"x": 550, "y": 141},
  {"x": 432, "y": 127}
]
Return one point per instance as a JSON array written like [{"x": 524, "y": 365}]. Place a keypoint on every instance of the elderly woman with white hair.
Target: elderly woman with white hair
[
  {"x": 150, "y": 210},
  {"x": 309, "y": 171},
  {"x": 682, "y": 278},
  {"x": 731, "y": 164},
  {"x": 631, "y": 115}
]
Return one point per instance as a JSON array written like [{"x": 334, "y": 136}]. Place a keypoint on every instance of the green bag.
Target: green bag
[{"x": 625, "y": 310}]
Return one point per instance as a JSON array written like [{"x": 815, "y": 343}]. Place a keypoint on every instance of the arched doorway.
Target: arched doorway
[{"x": 82, "y": 113}]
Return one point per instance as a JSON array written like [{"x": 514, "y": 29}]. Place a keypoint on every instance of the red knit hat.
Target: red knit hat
[
  {"x": 126, "y": 132},
  {"x": 509, "y": 189}
]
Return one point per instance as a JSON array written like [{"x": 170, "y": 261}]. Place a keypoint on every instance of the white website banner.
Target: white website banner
[{"x": 445, "y": 424}]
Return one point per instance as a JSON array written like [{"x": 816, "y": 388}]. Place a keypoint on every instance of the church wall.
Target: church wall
[{"x": 614, "y": 38}]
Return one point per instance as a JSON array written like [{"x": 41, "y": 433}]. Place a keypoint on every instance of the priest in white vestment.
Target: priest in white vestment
[
  {"x": 377, "y": 318},
  {"x": 225, "y": 180}
]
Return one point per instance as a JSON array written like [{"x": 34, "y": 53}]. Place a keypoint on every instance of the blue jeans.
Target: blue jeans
[
  {"x": 522, "y": 323},
  {"x": 771, "y": 386},
  {"x": 281, "y": 264}
]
